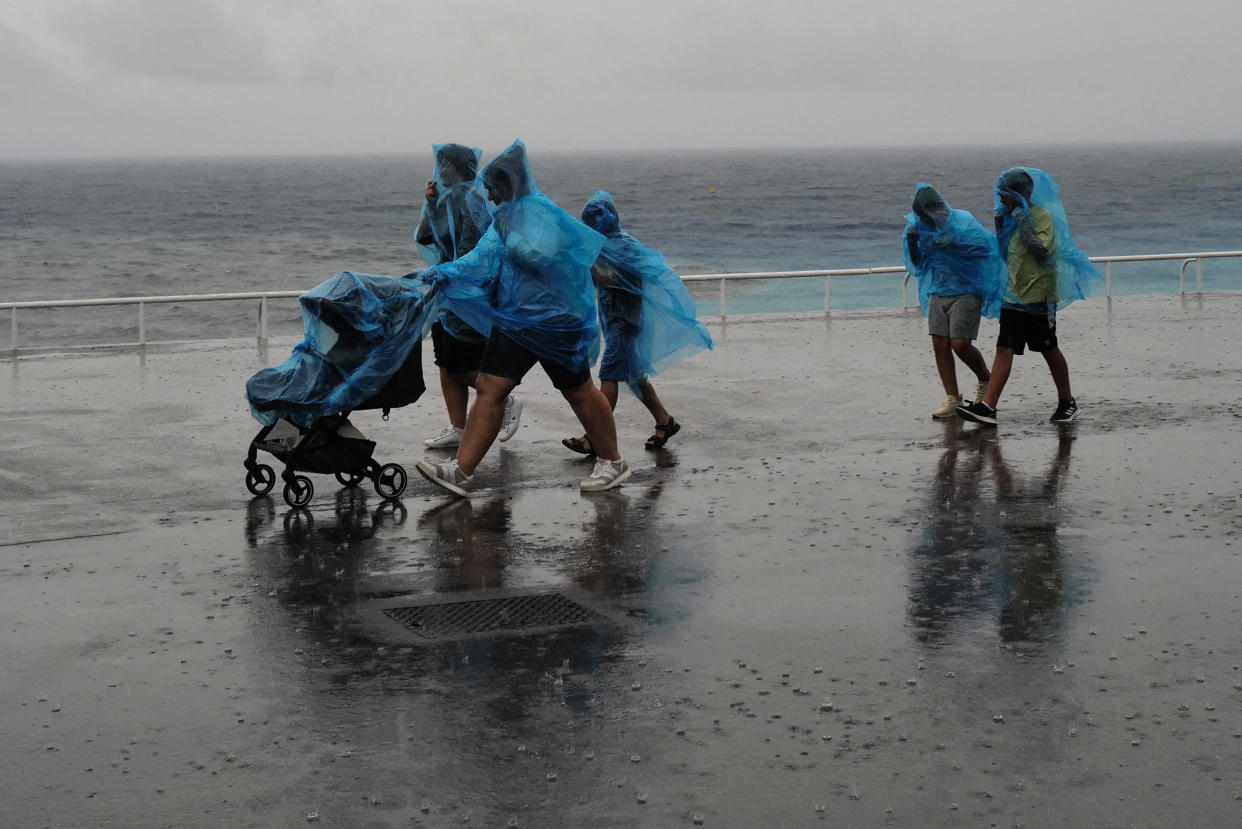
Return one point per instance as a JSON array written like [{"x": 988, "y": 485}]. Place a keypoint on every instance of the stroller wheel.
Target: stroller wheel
[
  {"x": 348, "y": 479},
  {"x": 260, "y": 479},
  {"x": 390, "y": 481},
  {"x": 299, "y": 491}
]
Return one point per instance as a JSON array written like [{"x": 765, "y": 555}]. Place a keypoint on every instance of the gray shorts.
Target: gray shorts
[{"x": 955, "y": 316}]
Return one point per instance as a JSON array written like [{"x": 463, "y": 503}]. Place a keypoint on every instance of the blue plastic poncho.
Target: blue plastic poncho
[
  {"x": 950, "y": 252},
  {"x": 655, "y": 330},
  {"x": 359, "y": 329},
  {"x": 452, "y": 224},
  {"x": 1046, "y": 270},
  {"x": 530, "y": 274}
]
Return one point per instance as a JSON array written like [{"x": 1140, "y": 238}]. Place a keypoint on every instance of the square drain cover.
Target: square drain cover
[{"x": 497, "y": 615}]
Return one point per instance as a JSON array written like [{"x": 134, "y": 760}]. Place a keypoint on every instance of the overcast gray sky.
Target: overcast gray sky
[{"x": 226, "y": 77}]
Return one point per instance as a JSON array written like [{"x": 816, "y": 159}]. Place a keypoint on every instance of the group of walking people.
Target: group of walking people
[
  {"x": 1024, "y": 273},
  {"x": 523, "y": 282}
]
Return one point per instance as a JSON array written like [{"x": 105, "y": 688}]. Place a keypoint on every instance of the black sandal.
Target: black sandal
[
  {"x": 580, "y": 445},
  {"x": 669, "y": 429}
]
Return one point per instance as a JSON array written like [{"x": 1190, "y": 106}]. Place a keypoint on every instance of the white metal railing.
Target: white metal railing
[{"x": 723, "y": 278}]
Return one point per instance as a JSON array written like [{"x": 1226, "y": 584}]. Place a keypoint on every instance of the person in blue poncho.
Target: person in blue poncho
[
  {"x": 455, "y": 216},
  {"x": 527, "y": 285},
  {"x": 1046, "y": 272},
  {"x": 961, "y": 278},
  {"x": 647, "y": 316}
]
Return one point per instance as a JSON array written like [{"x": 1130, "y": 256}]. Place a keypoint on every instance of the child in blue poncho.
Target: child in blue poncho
[
  {"x": 647, "y": 316},
  {"x": 527, "y": 286},
  {"x": 455, "y": 216},
  {"x": 1046, "y": 271},
  {"x": 961, "y": 277}
]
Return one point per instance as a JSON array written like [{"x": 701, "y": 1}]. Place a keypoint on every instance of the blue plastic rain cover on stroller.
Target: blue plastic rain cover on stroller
[
  {"x": 664, "y": 331},
  {"x": 530, "y": 274},
  {"x": 950, "y": 253},
  {"x": 359, "y": 329},
  {"x": 1037, "y": 228}
]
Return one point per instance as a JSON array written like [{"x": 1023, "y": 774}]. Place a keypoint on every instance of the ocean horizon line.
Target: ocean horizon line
[{"x": 741, "y": 150}]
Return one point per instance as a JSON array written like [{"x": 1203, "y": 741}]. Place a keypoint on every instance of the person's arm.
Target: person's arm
[
  {"x": 1036, "y": 231},
  {"x": 423, "y": 234},
  {"x": 912, "y": 248}
]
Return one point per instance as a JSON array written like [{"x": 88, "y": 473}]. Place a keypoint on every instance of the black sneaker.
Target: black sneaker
[
  {"x": 978, "y": 412},
  {"x": 1066, "y": 411}
]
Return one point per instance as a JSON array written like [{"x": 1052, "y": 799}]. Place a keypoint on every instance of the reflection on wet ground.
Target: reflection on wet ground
[{"x": 990, "y": 544}]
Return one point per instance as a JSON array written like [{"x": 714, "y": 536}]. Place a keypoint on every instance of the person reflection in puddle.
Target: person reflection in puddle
[{"x": 1001, "y": 554}]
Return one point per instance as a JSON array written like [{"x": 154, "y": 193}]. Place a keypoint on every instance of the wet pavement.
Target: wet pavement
[{"x": 816, "y": 607}]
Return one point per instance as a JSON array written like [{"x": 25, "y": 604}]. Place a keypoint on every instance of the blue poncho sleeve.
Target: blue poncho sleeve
[
  {"x": 1076, "y": 278},
  {"x": 950, "y": 252},
  {"x": 668, "y": 331},
  {"x": 358, "y": 330}
]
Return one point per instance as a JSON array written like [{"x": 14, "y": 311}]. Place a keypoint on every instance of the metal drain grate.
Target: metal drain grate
[{"x": 546, "y": 610}]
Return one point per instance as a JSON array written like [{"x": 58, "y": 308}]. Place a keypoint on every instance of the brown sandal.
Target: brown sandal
[
  {"x": 663, "y": 431},
  {"x": 580, "y": 445}
]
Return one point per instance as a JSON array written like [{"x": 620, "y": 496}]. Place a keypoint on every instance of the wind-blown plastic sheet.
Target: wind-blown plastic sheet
[
  {"x": 950, "y": 252},
  {"x": 359, "y": 329},
  {"x": 1035, "y": 190},
  {"x": 529, "y": 276},
  {"x": 667, "y": 331}
]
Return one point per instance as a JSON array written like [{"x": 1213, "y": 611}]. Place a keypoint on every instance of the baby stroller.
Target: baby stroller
[{"x": 362, "y": 350}]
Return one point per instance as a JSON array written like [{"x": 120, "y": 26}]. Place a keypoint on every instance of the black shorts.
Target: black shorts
[
  {"x": 1022, "y": 329},
  {"x": 511, "y": 360},
  {"x": 453, "y": 355}
]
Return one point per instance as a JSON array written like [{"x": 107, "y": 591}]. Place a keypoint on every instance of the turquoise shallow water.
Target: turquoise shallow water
[{"x": 127, "y": 228}]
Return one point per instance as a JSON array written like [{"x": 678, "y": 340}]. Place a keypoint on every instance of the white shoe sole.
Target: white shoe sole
[
  {"x": 428, "y": 471},
  {"x": 442, "y": 443},
  {"x": 587, "y": 486}
]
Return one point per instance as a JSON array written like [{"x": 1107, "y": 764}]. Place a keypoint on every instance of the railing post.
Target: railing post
[
  {"x": 142, "y": 323},
  {"x": 13, "y": 328},
  {"x": 828, "y": 294},
  {"x": 1108, "y": 279},
  {"x": 1199, "y": 274},
  {"x": 905, "y": 291},
  {"x": 1185, "y": 262},
  {"x": 262, "y": 335},
  {"x": 723, "y": 283}
]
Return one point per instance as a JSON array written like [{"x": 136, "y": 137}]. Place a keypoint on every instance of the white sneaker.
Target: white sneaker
[
  {"x": 447, "y": 475},
  {"x": 606, "y": 475},
  {"x": 449, "y": 436},
  {"x": 513, "y": 418},
  {"x": 948, "y": 408}
]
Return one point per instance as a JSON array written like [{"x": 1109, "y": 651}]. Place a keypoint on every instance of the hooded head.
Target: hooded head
[
  {"x": 1015, "y": 184},
  {"x": 508, "y": 176},
  {"x": 455, "y": 163},
  {"x": 929, "y": 205},
  {"x": 600, "y": 213}
]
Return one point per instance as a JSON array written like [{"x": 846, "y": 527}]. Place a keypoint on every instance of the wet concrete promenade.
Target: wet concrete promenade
[{"x": 816, "y": 607}]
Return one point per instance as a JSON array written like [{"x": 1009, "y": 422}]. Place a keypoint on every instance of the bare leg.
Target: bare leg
[
  {"x": 945, "y": 365},
  {"x": 1060, "y": 373},
  {"x": 484, "y": 419},
  {"x": 610, "y": 390},
  {"x": 593, "y": 412},
  {"x": 1001, "y": 367},
  {"x": 971, "y": 358},
  {"x": 455, "y": 389},
  {"x": 652, "y": 401}
]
